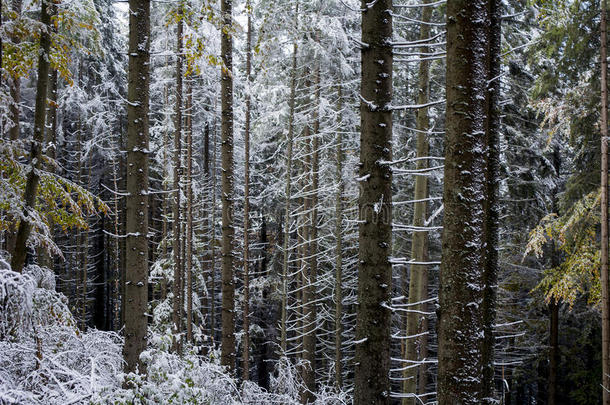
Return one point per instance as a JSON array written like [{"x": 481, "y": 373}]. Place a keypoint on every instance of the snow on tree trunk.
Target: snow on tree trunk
[
  {"x": 228, "y": 232},
  {"x": 492, "y": 134},
  {"x": 136, "y": 216},
  {"x": 178, "y": 292},
  {"x": 461, "y": 293},
  {"x": 605, "y": 283},
  {"x": 372, "y": 361},
  {"x": 417, "y": 324}
]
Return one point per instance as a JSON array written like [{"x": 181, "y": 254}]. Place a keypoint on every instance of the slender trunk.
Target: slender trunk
[
  {"x": 36, "y": 151},
  {"x": 286, "y": 247},
  {"x": 189, "y": 211},
  {"x": 604, "y": 214},
  {"x": 213, "y": 230},
  {"x": 205, "y": 207},
  {"x": 228, "y": 232},
  {"x": 371, "y": 381},
  {"x": 136, "y": 227},
  {"x": 117, "y": 249},
  {"x": 416, "y": 320},
  {"x": 79, "y": 237},
  {"x": 246, "y": 307},
  {"x": 15, "y": 83},
  {"x": 422, "y": 379},
  {"x": 554, "y": 351},
  {"x": 304, "y": 288},
  {"x": 177, "y": 174},
  {"x": 462, "y": 273},
  {"x": 340, "y": 156},
  {"x": 165, "y": 203},
  {"x": 46, "y": 260},
  {"x": 310, "y": 338},
  {"x": 51, "y": 137},
  {"x": 85, "y": 262}
]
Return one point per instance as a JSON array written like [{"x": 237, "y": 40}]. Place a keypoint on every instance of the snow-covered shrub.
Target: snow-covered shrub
[
  {"x": 174, "y": 379},
  {"x": 44, "y": 357},
  {"x": 16, "y": 303},
  {"x": 43, "y": 277},
  {"x": 59, "y": 365}
]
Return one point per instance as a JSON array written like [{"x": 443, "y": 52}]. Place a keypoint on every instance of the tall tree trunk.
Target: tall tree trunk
[
  {"x": 604, "y": 208},
  {"x": 177, "y": 291},
  {"x": 338, "y": 298},
  {"x": 418, "y": 285},
  {"x": 371, "y": 382},
  {"x": 246, "y": 307},
  {"x": 116, "y": 249},
  {"x": 189, "y": 210},
  {"x": 204, "y": 213},
  {"x": 228, "y": 232},
  {"x": 165, "y": 202},
  {"x": 46, "y": 259},
  {"x": 492, "y": 135},
  {"x": 136, "y": 227},
  {"x": 79, "y": 237},
  {"x": 422, "y": 379},
  {"x": 462, "y": 285},
  {"x": 36, "y": 151},
  {"x": 288, "y": 188},
  {"x": 84, "y": 262},
  {"x": 304, "y": 298},
  {"x": 310, "y": 338},
  {"x": 213, "y": 311},
  {"x": 15, "y": 83}
]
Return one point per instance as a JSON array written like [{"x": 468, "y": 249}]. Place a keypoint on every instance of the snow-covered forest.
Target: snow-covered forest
[{"x": 304, "y": 202}]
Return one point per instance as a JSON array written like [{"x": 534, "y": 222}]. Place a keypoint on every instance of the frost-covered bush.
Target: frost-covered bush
[
  {"x": 16, "y": 303},
  {"x": 174, "y": 379},
  {"x": 59, "y": 365},
  {"x": 44, "y": 358},
  {"x": 43, "y": 277}
]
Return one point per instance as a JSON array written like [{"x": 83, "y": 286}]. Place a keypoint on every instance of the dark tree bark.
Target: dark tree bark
[
  {"x": 311, "y": 260},
  {"x": 36, "y": 151},
  {"x": 605, "y": 283},
  {"x": 176, "y": 246},
  {"x": 338, "y": 296},
  {"x": 15, "y": 84},
  {"x": 228, "y": 232},
  {"x": 462, "y": 284},
  {"x": 136, "y": 215},
  {"x": 372, "y": 361},
  {"x": 418, "y": 283},
  {"x": 492, "y": 134},
  {"x": 246, "y": 307},
  {"x": 189, "y": 211}
]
